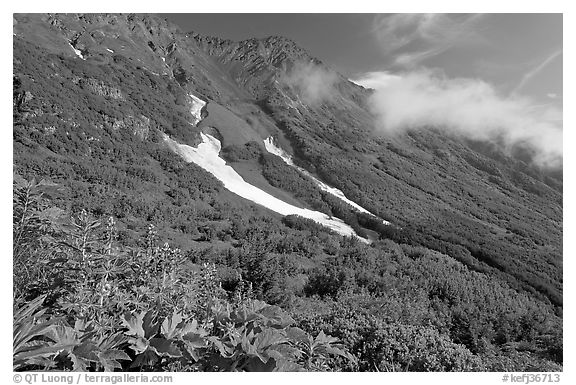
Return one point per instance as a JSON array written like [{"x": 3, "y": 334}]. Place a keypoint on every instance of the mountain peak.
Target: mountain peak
[{"x": 270, "y": 48}]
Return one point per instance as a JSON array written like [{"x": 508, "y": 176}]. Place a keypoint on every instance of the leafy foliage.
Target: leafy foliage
[{"x": 176, "y": 315}]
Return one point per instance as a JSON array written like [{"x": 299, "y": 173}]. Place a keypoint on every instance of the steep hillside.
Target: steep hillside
[
  {"x": 129, "y": 117},
  {"x": 470, "y": 200}
]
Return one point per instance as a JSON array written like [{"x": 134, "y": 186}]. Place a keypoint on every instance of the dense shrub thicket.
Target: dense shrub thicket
[
  {"x": 444, "y": 193},
  {"x": 282, "y": 296}
]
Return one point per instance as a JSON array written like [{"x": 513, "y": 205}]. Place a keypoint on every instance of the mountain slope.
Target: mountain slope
[
  {"x": 95, "y": 96},
  {"x": 450, "y": 194},
  {"x": 484, "y": 206}
]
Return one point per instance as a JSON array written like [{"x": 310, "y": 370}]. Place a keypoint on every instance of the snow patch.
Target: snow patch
[
  {"x": 109, "y": 50},
  {"x": 272, "y": 148},
  {"x": 196, "y": 109},
  {"x": 77, "y": 51},
  {"x": 206, "y": 156}
]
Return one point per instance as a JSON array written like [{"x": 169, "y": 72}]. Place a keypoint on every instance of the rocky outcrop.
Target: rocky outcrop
[
  {"x": 255, "y": 63},
  {"x": 271, "y": 51},
  {"x": 139, "y": 126},
  {"x": 21, "y": 101},
  {"x": 99, "y": 87},
  {"x": 20, "y": 97}
]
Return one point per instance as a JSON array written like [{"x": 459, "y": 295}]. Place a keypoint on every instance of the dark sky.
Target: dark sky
[{"x": 516, "y": 53}]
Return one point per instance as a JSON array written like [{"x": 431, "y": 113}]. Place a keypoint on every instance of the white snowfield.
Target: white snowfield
[
  {"x": 272, "y": 148},
  {"x": 206, "y": 156},
  {"x": 77, "y": 51},
  {"x": 196, "y": 109}
]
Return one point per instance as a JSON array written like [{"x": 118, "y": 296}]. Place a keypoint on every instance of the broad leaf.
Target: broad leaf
[
  {"x": 224, "y": 350},
  {"x": 283, "y": 365},
  {"x": 86, "y": 351},
  {"x": 63, "y": 335},
  {"x": 134, "y": 324},
  {"x": 31, "y": 309},
  {"x": 150, "y": 327},
  {"x": 21, "y": 359},
  {"x": 322, "y": 338},
  {"x": 79, "y": 364},
  {"x": 267, "y": 338},
  {"x": 112, "y": 341},
  {"x": 257, "y": 365},
  {"x": 139, "y": 344},
  {"x": 163, "y": 347},
  {"x": 170, "y": 324},
  {"x": 276, "y": 317},
  {"x": 195, "y": 340},
  {"x": 109, "y": 359},
  {"x": 297, "y": 335},
  {"x": 244, "y": 315},
  {"x": 284, "y": 351},
  {"x": 148, "y": 358}
]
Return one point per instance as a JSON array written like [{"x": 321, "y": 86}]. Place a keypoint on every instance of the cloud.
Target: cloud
[
  {"x": 423, "y": 35},
  {"x": 536, "y": 69},
  {"x": 470, "y": 107},
  {"x": 312, "y": 82},
  {"x": 412, "y": 59},
  {"x": 376, "y": 80}
]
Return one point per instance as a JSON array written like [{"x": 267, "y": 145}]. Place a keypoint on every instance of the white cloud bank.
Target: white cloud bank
[
  {"x": 466, "y": 106},
  {"x": 311, "y": 81}
]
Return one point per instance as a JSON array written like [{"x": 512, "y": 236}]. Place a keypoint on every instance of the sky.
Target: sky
[{"x": 518, "y": 54}]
